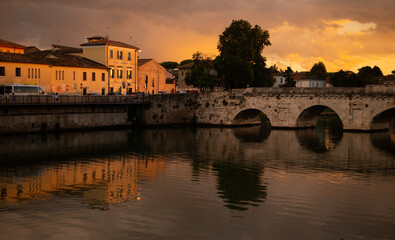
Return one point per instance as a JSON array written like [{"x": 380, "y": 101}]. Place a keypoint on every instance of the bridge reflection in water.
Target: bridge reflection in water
[{"x": 201, "y": 182}]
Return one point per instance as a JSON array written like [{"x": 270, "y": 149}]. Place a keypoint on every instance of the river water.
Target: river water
[{"x": 204, "y": 183}]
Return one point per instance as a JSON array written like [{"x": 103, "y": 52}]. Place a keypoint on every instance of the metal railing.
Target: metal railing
[{"x": 70, "y": 99}]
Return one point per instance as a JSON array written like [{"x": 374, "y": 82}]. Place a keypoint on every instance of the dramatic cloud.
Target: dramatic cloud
[{"x": 344, "y": 34}]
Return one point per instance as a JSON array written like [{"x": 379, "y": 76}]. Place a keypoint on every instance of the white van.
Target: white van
[{"x": 18, "y": 89}]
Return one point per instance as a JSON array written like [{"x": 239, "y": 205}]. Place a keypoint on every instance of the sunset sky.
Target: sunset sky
[{"x": 344, "y": 34}]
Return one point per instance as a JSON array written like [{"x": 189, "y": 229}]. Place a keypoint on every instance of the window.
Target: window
[
  {"x": 120, "y": 73},
  {"x": 74, "y": 75},
  {"x": 129, "y": 56},
  {"x": 62, "y": 75},
  {"x": 56, "y": 75},
  {"x": 119, "y": 55},
  {"x": 112, "y": 73},
  {"x": 103, "y": 77},
  {"x": 84, "y": 76},
  {"x": 129, "y": 74},
  {"x": 38, "y": 73},
  {"x": 28, "y": 73},
  {"x": 2, "y": 71},
  {"x": 111, "y": 54},
  {"x": 103, "y": 91},
  {"x": 93, "y": 76},
  {"x": 17, "y": 72},
  {"x": 35, "y": 73}
]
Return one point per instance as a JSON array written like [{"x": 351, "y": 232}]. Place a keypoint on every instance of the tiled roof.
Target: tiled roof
[
  {"x": 10, "y": 44},
  {"x": 387, "y": 78},
  {"x": 67, "y": 49},
  {"x": 209, "y": 64},
  {"x": 143, "y": 61},
  {"x": 32, "y": 49},
  {"x": 105, "y": 41},
  {"x": 58, "y": 59},
  {"x": 186, "y": 66}
]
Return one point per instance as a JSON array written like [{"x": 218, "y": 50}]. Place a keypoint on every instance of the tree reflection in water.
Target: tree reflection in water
[{"x": 240, "y": 187}]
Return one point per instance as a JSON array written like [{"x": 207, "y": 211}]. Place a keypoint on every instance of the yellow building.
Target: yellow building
[
  {"x": 120, "y": 57},
  {"x": 10, "y": 47},
  {"x": 54, "y": 71},
  {"x": 152, "y": 77}
]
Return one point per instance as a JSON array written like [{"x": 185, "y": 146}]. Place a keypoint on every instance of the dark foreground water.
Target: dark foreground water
[{"x": 211, "y": 183}]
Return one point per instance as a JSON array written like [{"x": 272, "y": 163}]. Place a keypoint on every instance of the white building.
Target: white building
[
  {"x": 279, "y": 79},
  {"x": 308, "y": 82}
]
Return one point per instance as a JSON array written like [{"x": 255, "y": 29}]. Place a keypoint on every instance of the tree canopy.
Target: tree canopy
[
  {"x": 365, "y": 75},
  {"x": 200, "y": 75},
  {"x": 289, "y": 81},
  {"x": 318, "y": 70},
  {"x": 169, "y": 65},
  {"x": 240, "y": 62}
]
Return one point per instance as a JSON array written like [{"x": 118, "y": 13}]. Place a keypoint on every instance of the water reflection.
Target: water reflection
[
  {"x": 256, "y": 133},
  {"x": 105, "y": 167},
  {"x": 99, "y": 183},
  {"x": 384, "y": 141},
  {"x": 240, "y": 187},
  {"x": 324, "y": 137},
  {"x": 206, "y": 183}
]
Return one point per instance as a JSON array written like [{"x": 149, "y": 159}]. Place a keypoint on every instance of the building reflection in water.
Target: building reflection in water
[{"x": 99, "y": 181}]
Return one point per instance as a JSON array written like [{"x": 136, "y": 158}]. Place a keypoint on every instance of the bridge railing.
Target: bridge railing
[
  {"x": 70, "y": 99},
  {"x": 368, "y": 90}
]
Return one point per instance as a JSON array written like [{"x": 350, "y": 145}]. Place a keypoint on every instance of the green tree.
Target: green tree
[
  {"x": 340, "y": 79},
  {"x": 368, "y": 75},
  {"x": 240, "y": 62},
  {"x": 169, "y": 65},
  {"x": 377, "y": 71},
  {"x": 318, "y": 70},
  {"x": 199, "y": 76},
  {"x": 289, "y": 81}
]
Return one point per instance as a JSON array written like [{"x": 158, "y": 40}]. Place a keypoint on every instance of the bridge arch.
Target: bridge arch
[
  {"x": 383, "y": 119},
  {"x": 309, "y": 116},
  {"x": 249, "y": 116}
]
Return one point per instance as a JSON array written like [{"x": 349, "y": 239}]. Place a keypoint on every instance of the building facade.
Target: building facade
[
  {"x": 152, "y": 77},
  {"x": 54, "y": 72},
  {"x": 120, "y": 58},
  {"x": 279, "y": 79},
  {"x": 311, "y": 83}
]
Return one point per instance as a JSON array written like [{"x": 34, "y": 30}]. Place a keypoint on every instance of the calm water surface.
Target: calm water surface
[{"x": 208, "y": 183}]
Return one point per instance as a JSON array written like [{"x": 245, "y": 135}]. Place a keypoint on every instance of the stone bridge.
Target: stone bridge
[{"x": 362, "y": 109}]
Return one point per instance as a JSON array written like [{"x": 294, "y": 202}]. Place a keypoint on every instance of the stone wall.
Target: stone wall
[{"x": 369, "y": 108}]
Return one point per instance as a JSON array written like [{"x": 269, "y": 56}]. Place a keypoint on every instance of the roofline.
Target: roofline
[
  {"x": 106, "y": 44},
  {"x": 13, "y": 46}
]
